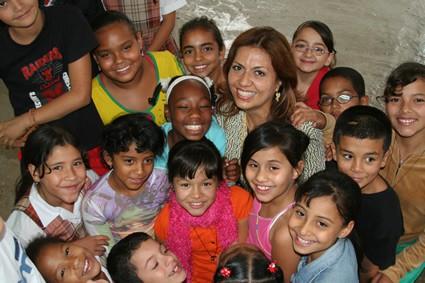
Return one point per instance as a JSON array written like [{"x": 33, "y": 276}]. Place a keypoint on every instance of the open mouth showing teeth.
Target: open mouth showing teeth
[
  {"x": 123, "y": 69},
  {"x": 263, "y": 188},
  {"x": 246, "y": 93},
  {"x": 193, "y": 127},
  {"x": 86, "y": 265},
  {"x": 174, "y": 270},
  {"x": 200, "y": 67},
  {"x": 304, "y": 242}
]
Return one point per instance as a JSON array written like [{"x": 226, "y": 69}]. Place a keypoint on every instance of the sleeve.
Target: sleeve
[
  {"x": 79, "y": 38},
  {"x": 411, "y": 257},
  {"x": 241, "y": 202},
  {"x": 169, "y": 6},
  {"x": 23, "y": 227},
  {"x": 95, "y": 220},
  {"x": 217, "y": 136},
  {"x": 328, "y": 130},
  {"x": 162, "y": 222},
  {"x": 314, "y": 157}
]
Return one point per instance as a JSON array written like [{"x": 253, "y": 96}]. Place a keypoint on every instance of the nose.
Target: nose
[
  {"x": 404, "y": 106},
  {"x": 194, "y": 112},
  {"x": 335, "y": 104},
  {"x": 304, "y": 228},
  {"x": 356, "y": 165},
  {"x": 17, "y": 5},
  {"x": 261, "y": 175},
  {"x": 139, "y": 168},
  {"x": 308, "y": 51},
  {"x": 70, "y": 173},
  {"x": 198, "y": 55},
  {"x": 74, "y": 262},
  {"x": 196, "y": 192},
  {"x": 245, "y": 79}
]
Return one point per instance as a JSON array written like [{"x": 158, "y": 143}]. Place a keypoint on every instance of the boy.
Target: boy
[
  {"x": 139, "y": 258},
  {"x": 128, "y": 198},
  {"x": 45, "y": 64},
  {"x": 340, "y": 89},
  {"x": 404, "y": 97},
  {"x": 362, "y": 137}
]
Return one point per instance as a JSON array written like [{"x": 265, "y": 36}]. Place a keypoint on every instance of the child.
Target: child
[
  {"x": 128, "y": 198},
  {"x": 326, "y": 207},
  {"x": 202, "y": 49},
  {"x": 272, "y": 162},
  {"x": 404, "y": 97},
  {"x": 313, "y": 51},
  {"x": 139, "y": 258},
  {"x": 340, "y": 89},
  {"x": 246, "y": 263},
  {"x": 49, "y": 194},
  {"x": 59, "y": 261},
  {"x": 362, "y": 138},
  {"x": 204, "y": 216},
  {"x": 15, "y": 265},
  {"x": 189, "y": 108},
  {"x": 154, "y": 19},
  {"x": 46, "y": 68},
  {"x": 129, "y": 80}
]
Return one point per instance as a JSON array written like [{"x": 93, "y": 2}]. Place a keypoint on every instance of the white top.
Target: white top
[
  {"x": 14, "y": 263},
  {"x": 169, "y": 6}
]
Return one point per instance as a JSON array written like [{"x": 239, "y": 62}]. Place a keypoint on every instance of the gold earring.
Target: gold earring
[{"x": 277, "y": 94}]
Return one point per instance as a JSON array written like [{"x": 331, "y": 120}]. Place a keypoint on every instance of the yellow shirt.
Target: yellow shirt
[{"x": 166, "y": 65}]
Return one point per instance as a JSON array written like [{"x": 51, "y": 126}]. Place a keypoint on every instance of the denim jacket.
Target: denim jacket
[{"x": 337, "y": 264}]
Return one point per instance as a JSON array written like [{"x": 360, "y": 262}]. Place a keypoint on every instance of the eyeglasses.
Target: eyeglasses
[
  {"x": 317, "y": 51},
  {"x": 341, "y": 99}
]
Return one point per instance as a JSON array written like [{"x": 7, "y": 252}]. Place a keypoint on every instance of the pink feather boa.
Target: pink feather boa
[{"x": 219, "y": 214}]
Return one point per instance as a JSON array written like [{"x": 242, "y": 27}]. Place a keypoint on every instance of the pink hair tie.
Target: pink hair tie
[
  {"x": 272, "y": 267},
  {"x": 225, "y": 271}
]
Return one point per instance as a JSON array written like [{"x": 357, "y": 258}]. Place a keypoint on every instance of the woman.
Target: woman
[{"x": 261, "y": 78}]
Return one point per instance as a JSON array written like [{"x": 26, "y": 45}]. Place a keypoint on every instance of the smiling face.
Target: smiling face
[
  {"x": 270, "y": 175},
  {"x": 407, "y": 111},
  {"x": 252, "y": 80},
  {"x": 65, "y": 176},
  {"x": 131, "y": 170},
  {"x": 155, "y": 263},
  {"x": 306, "y": 62},
  {"x": 201, "y": 53},
  {"x": 196, "y": 195},
  {"x": 118, "y": 53},
  {"x": 315, "y": 228},
  {"x": 66, "y": 262},
  {"x": 361, "y": 159},
  {"x": 189, "y": 109},
  {"x": 334, "y": 87},
  {"x": 22, "y": 14}
]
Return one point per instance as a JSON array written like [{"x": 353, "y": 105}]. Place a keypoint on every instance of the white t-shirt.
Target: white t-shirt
[{"x": 15, "y": 266}]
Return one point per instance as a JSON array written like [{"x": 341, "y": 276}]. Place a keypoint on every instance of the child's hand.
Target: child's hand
[
  {"x": 95, "y": 244},
  {"x": 303, "y": 113},
  {"x": 328, "y": 152},
  {"x": 232, "y": 170},
  {"x": 381, "y": 278}
]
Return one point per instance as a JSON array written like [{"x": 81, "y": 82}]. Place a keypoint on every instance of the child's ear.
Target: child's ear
[
  {"x": 333, "y": 148},
  {"x": 298, "y": 170},
  {"x": 364, "y": 100},
  {"x": 34, "y": 173},
  {"x": 328, "y": 61},
  {"x": 384, "y": 160},
  {"x": 107, "y": 158},
  {"x": 139, "y": 39},
  {"x": 222, "y": 52},
  {"x": 167, "y": 112},
  {"x": 346, "y": 230}
]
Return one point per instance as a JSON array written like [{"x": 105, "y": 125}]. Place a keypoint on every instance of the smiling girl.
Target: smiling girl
[
  {"x": 204, "y": 215},
  {"x": 326, "y": 208}
]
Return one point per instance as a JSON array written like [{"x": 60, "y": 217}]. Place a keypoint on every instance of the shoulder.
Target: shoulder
[{"x": 241, "y": 201}]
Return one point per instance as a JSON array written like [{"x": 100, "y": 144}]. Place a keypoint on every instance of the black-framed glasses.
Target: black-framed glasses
[
  {"x": 317, "y": 51},
  {"x": 341, "y": 99}
]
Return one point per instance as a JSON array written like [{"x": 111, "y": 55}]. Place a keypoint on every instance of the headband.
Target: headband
[{"x": 207, "y": 82}]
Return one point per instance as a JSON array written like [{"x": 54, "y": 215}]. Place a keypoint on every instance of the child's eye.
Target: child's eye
[
  {"x": 184, "y": 185},
  {"x": 104, "y": 55},
  {"x": 127, "y": 47},
  {"x": 63, "y": 273},
  {"x": 273, "y": 168},
  {"x": 207, "y": 184},
  {"x": 347, "y": 156},
  {"x": 56, "y": 168},
  {"x": 394, "y": 99},
  {"x": 208, "y": 49},
  {"x": 188, "y": 52},
  {"x": 78, "y": 163},
  {"x": 300, "y": 213},
  {"x": 155, "y": 266},
  {"x": 322, "y": 224},
  {"x": 418, "y": 100},
  {"x": 67, "y": 251},
  {"x": 370, "y": 159},
  {"x": 149, "y": 160},
  {"x": 128, "y": 161},
  {"x": 253, "y": 165},
  {"x": 2, "y": 4}
]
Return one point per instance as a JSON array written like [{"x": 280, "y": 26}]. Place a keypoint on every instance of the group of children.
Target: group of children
[{"x": 167, "y": 206}]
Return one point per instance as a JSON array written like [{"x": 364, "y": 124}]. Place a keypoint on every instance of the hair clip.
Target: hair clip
[
  {"x": 272, "y": 267},
  {"x": 225, "y": 271}
]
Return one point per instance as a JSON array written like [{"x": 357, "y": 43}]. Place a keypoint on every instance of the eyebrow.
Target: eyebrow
[{"x": 367, "y": 153}]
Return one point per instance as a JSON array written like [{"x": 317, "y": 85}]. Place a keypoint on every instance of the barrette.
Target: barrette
[
  {"x": 225, "y": 271},
  {"x": 272, "y": 267}
]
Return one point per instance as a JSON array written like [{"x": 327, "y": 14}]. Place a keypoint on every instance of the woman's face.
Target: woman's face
[{"x": 253, "y": 80}]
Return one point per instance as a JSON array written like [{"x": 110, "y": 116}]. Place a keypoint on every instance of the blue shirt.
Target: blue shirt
[{"x": 337, "y": 264}]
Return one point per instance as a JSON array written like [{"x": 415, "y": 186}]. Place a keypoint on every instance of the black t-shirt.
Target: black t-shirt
[
  {"x": 38, "y": 72},
  {"x": 380, "y": 226}
]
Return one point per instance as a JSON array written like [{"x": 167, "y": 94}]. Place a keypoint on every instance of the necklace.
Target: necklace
[{"x": 213, "y": 256}]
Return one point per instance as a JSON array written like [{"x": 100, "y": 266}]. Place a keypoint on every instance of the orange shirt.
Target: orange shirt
[{"x": 205, "y": 242}]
